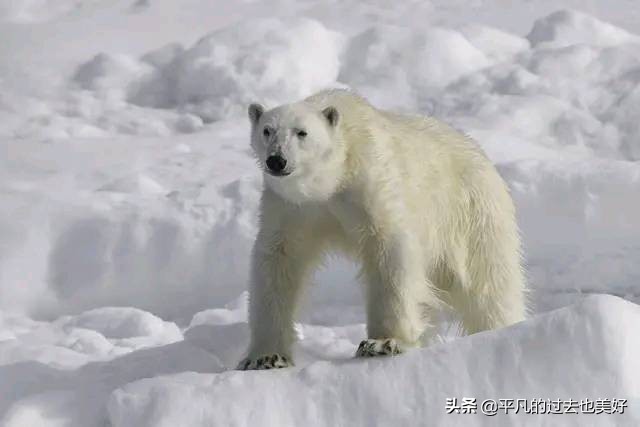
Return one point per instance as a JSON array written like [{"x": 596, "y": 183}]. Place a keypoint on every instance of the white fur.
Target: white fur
[{"x": 415, "y": 202}]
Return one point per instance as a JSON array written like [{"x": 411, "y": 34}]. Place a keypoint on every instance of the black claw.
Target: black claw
[
  {"x": 373, "y": 347},
  {"x": 270, "y": 361}
]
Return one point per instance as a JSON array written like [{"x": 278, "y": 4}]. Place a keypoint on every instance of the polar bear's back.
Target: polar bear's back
[
  {"x": 423, "y": 147},
  {"x": 443, "y": 177},
  {"x": 417, "y": 132}
]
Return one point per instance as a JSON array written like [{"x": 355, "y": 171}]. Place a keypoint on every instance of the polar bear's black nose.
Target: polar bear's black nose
[{"x": 276, "y": 163}]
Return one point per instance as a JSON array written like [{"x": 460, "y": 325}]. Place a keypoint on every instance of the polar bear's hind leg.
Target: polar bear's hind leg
[{"x": 491, "y": 293}]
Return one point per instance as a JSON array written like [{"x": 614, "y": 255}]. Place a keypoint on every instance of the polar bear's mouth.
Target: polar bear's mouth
[{"x": 278, "y": 174}]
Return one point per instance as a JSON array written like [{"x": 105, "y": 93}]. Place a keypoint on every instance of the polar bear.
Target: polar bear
[{"x": 416, "y": 203}]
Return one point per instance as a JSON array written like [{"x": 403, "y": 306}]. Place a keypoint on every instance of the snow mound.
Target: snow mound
[
  {"x": 497, "y": 45},
  {"x": 234, "y": 312},
  {"x": 411, "y": 61},
  {"x": 121, "y": 323},
  {"x": 73, "y": 341},
  {"x": 174, "y": 89},
  {"x": 34, "y": 394},
  {"x": 536, "y": 97},
  {"x": 557, "y": 355},
  {"x": 268, "y": 60},
  {"x": 110, "y": 73},
  {"x": 568, "y": 27}
]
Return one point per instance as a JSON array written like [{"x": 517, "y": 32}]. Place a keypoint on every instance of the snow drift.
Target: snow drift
[
  {"x": 582, "y": 351},
  {"x": 559, "y": 354}
]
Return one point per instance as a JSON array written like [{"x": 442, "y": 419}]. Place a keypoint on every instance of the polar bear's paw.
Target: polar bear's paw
[
  {"x": 378, "y": 347},
  {"x": 268, "y": 361}
]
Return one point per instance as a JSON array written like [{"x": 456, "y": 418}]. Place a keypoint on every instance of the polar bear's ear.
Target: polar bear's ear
[
  {"x": 255, "y": 112},
  {"x": 332, "y": 115}
]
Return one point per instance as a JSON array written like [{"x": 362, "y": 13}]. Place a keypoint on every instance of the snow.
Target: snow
[
  {"x": 265, "y": 59},
  {"x": 41, "y": 10},
  {"x": 129, "y": 200},
  {"x": 176, "y": 190},
  {"x": 72, "y": 341},
  {"x": 414, "y": 387},
  {"x": 412, "y": 61},
  {"x": 188, "y": 382},
  {"x": 568, "y": 27}
]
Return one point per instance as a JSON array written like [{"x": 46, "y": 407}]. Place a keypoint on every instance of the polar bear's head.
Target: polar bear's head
[{"x": 300, "y": 150}]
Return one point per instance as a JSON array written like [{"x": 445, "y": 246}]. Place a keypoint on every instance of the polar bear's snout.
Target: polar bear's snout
[{"x": 276, "y": 165}]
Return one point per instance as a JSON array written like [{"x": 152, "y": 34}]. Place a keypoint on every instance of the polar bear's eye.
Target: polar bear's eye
[
  {"x": 301, "y": 133},
  {"x": 266, "y": 132}
]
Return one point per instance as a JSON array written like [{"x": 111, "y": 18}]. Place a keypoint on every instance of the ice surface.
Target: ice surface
[{"x": 129, "y": 202}]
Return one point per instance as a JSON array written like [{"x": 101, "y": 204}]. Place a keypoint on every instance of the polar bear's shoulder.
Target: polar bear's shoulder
[
  {"x": 361, "y": 119},
  {"x": 354, "y": 107},
  {"x": 348, "y": 102},
  {"x": 333, "y": 96}
]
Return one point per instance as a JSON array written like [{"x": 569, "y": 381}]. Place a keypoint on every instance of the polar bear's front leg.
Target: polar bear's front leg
[
  {"x": 399, "y": 295},
  {"x": 277, "y": 273},
  {"x": 286, "y": 250}
]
